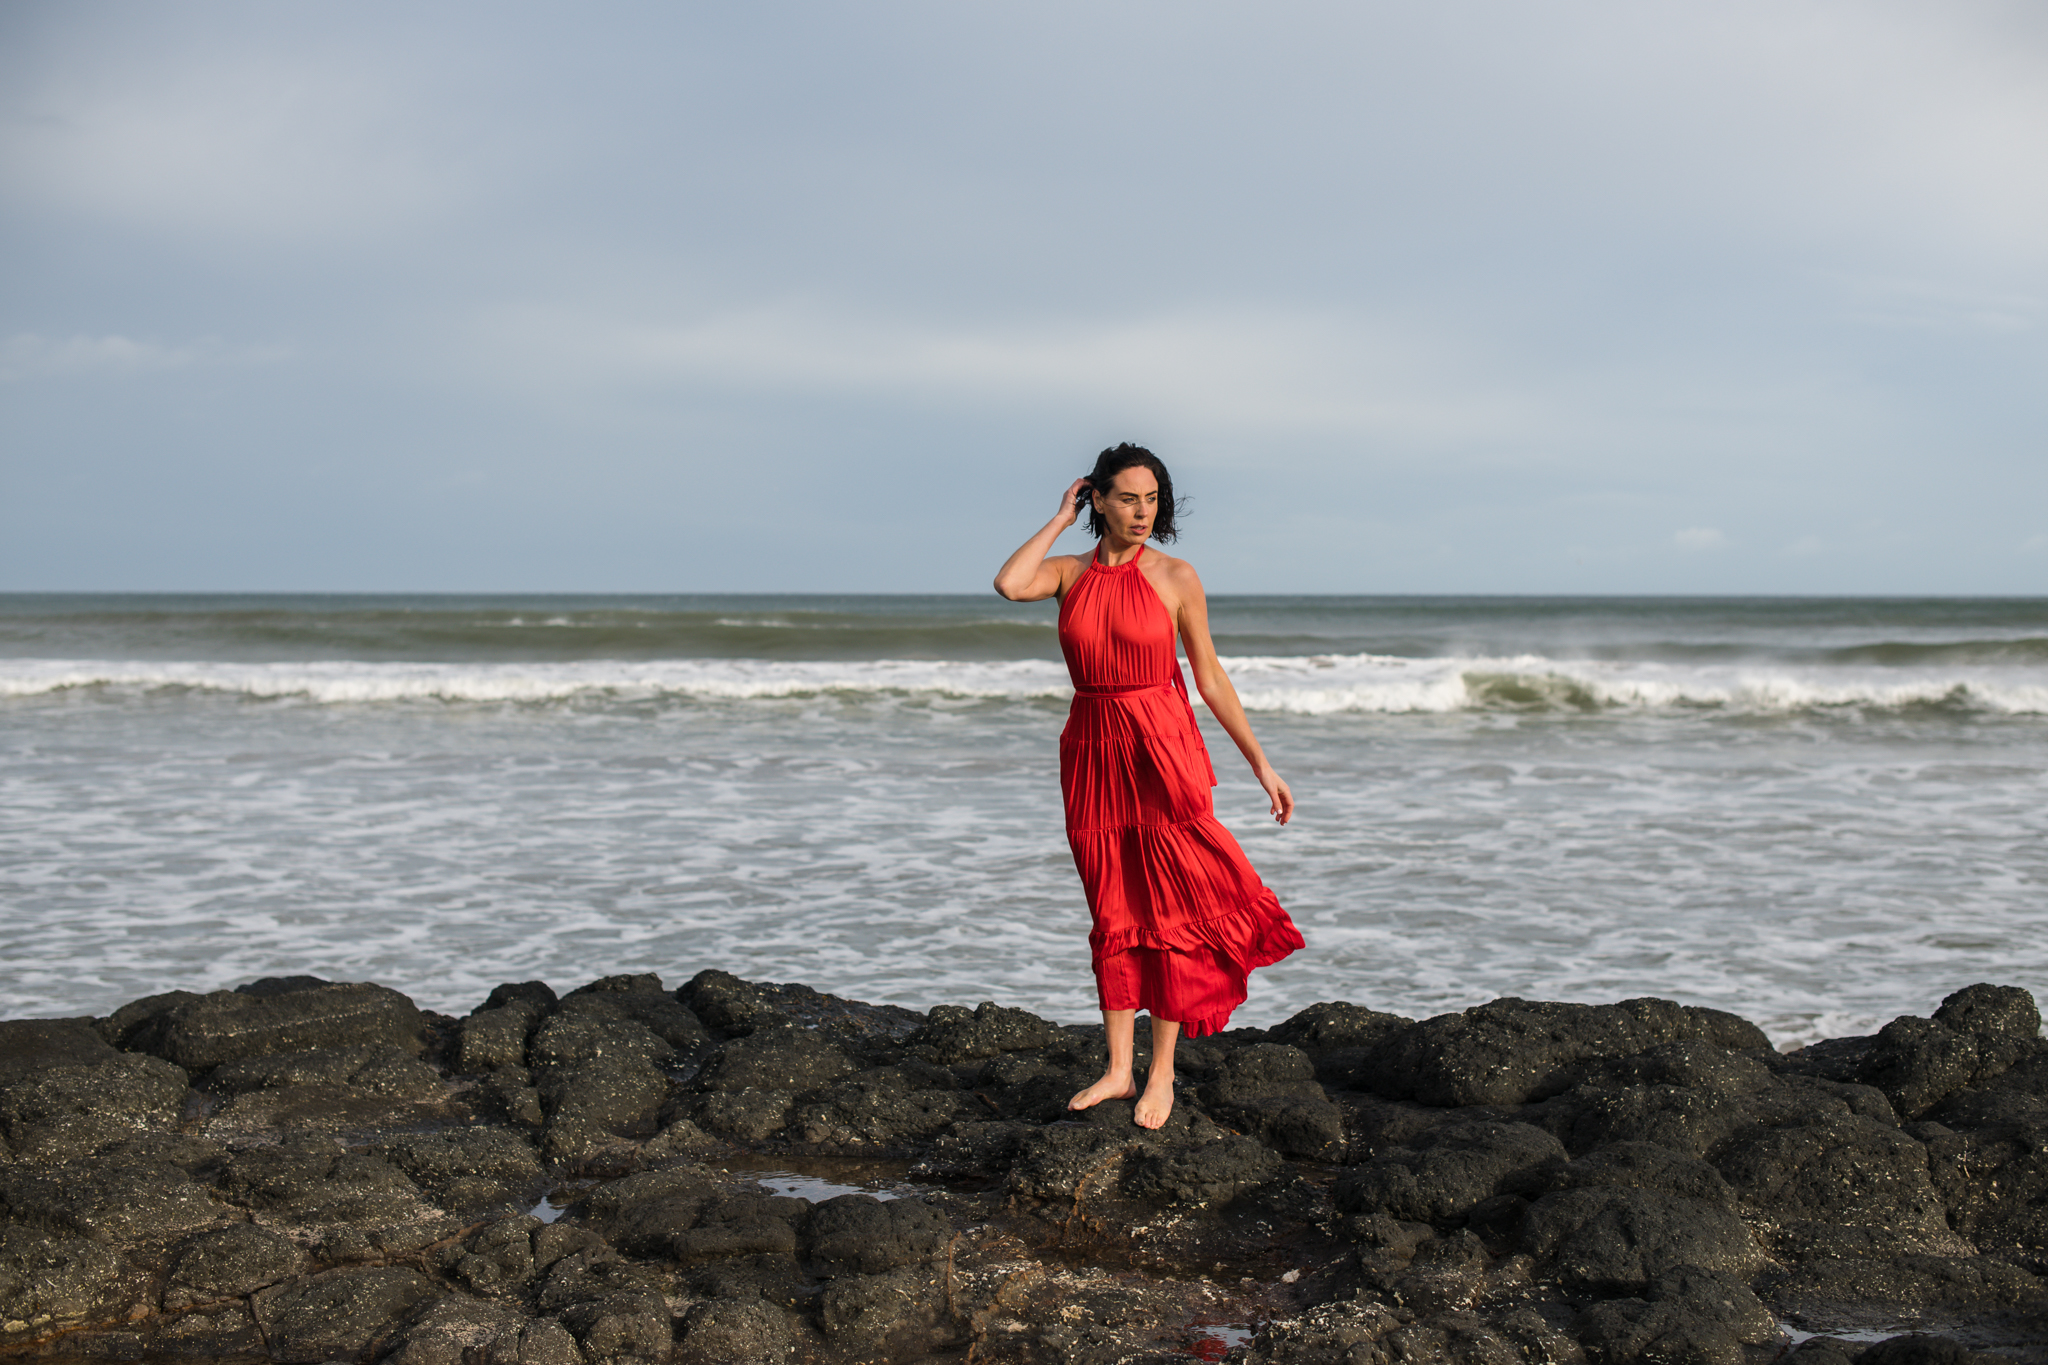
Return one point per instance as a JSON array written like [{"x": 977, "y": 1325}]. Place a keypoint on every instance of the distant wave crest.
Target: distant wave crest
[{"x": 1320, "y": 685}]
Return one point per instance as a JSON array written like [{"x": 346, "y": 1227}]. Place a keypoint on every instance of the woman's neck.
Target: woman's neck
[{"x": 1113, "y": 552}]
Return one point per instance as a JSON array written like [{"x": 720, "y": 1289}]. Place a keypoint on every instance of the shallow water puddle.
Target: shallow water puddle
[
  {"x": 1862, "y": 1336},
  {"x": 818, "y": 1190},
  {"x": 817, "y": 1179},
  {"x": 556, "y": 1200},
  {"x": 813, "y": 1180},
  {"x": 1214, "y": 1340}
]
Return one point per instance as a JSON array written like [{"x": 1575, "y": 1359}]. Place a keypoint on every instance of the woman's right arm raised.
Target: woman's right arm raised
[{"x": 1025, "y": 576}]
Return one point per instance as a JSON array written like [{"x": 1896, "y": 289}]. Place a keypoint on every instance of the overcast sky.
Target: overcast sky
[{"x": 1445, "y": 297}]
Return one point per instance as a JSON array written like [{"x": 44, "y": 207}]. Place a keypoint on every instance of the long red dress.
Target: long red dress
[{"x": 1180, "y": 917}]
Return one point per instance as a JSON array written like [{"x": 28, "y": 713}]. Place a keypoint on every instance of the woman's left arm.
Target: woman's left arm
[{"x": 1214, "y": 685}]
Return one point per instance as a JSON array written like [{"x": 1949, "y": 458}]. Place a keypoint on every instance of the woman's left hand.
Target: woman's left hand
[{"x": 1277, "y": 793}]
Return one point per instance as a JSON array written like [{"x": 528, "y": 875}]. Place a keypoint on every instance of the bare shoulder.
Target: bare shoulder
[
  {"x": 1175, "y": 571},
  {"x": 1069, "y": 568},
  {"x": 1174, "y": 579}
]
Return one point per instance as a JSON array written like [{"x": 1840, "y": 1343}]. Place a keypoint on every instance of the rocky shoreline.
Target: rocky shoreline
[{"x": 301, "y": 1171}]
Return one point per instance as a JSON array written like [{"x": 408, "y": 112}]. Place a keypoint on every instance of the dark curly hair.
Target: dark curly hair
[{"x": 1115, "y": 461}]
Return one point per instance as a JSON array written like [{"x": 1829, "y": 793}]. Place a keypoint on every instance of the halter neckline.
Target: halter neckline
[{"x": 1095, "y": 559}]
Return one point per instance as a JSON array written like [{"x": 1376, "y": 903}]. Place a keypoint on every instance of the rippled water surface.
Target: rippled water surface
[{"x": 1818, "y": 818}]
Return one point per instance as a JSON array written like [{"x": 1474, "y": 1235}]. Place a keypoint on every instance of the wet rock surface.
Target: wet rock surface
[{"x": 308, "y": 1171}]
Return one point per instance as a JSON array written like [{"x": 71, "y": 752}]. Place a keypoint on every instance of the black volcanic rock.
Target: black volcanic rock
[
  {"x": 339, "y": 1313},
  {"x": 199, "y": 1033},
  {"x": 1036, "y": 1085},
  {"x": 51, "y": 1281},
  {"x": 1338, "y": 1037},
  {"x": 465, "y": 1170},
  {"x": 951, "y": 1034},
  {"x": 1270, "y": 1089},
  {"x": 718, "y": 1333},
  {"x": 684, "y": 1215},
  {"x": 31, "y": 1045},
  {"x": 857, "y": 1234},
  {"x": 733, "y": 1007},
  {"x": 598, "y": 1076},
  {"x": 1514, "y": 1051},
  {"x": 631, "y": 1324},
  {"x": 376, "y": 1070},
  {"x": 119, "y": 1203},
  {"x": 1685, "y": 1315},
  {"x": 1847, "y": 1187},
  {"x": 1336, "y": 1026},
  {"x": 883, "y": 1107},
  {"x": 1060, "y": 1161},
  {"x": 1206, "y": 1171},
  {"x": 1644, "y": 1166},
  {"x": 1993, "y": 1183},
  {"x": 538, "y": 995},
  {"x": 496, "y": 1259},
  {"x": 744, "y": 1115},
  {"x": 641, "y": 1000},
  {"x": 1523, "y": 1182},
  {"x": 1992, "y": 1012},
  {"x": 2006, "y": 1024},
  {"x": 65, "y": 1094},
  {"x": 457, "y": 1329},
  {"x": 899, "y": 1315},
  {"x": 1918, "y": 1063},
  {"x": 1694, "y": 1122},
  {"x": 774, "y": 1057},
  {"x": 1834, "y": 1059},
  {"x": 230, "y": 1263},
  {"x": 1916, "y": 1283},
  {"x": 1916, "y": 1348},
  {"x": 267, "y": 986},
  {"x": 1688, "y": 1063},
  {"x": 494, "y": 1039},
  {"x": 1617, "y": 1240},
  {"x": 1451, "y": 1169}
]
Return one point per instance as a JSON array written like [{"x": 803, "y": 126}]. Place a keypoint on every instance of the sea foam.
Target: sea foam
[{"x": 1301, "y": 685}]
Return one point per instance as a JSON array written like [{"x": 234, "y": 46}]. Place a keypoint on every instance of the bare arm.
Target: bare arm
[
  {"x": 1025, "y": 575},
  {"x": 1214, "y": 685}
]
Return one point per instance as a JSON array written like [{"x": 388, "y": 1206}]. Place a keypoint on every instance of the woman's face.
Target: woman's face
[{"x": 1131, "y": 503}]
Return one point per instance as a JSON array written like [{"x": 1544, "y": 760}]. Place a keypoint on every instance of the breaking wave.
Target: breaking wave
[{"x": 1312, "y": 685}]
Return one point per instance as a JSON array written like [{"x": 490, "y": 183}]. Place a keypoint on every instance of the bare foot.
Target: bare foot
[
  {"x": 1156, "y": 1103},
  {"x": 1110, "y": 1087}
]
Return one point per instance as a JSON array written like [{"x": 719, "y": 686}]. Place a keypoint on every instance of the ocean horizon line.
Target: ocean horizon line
[{"x": 513, "y": 594}]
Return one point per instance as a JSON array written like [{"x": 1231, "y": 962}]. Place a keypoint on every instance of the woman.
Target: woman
[{"x": 1180, "y": 917}]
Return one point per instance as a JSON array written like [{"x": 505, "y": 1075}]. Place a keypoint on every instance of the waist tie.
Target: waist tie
[
  {"x": 1175, "y": 681},
  {"x": 1120, "y": 689}
]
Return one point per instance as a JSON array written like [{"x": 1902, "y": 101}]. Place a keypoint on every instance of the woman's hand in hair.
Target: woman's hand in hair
[
  {"x": 1027, "y": 576},
  {"x": 1071, "y": 502}
]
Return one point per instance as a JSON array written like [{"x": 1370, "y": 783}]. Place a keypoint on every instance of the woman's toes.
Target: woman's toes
[{"x": 1153, "y": 1113}]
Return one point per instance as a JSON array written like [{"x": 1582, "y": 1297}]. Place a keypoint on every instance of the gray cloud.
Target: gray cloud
[{"x": 1458, "y": 297}]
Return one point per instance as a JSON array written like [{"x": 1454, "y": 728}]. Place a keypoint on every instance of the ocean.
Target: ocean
[{"x": 1817, "y": 813}]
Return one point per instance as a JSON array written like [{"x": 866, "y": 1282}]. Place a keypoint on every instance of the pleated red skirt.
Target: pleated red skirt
[{"x": 1180, "y": 919}]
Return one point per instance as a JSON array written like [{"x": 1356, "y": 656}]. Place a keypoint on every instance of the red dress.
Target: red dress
[{"x": 1180, "y": 917}]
